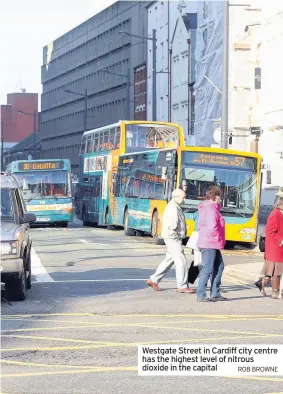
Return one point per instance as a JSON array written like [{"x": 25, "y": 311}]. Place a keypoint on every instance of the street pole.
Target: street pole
[
  {"x": 153, "y": 74},
  {"x": 34, "y": 134},
  {"x": 128, "y": 95},
  {"x": 2, "y": 146},
  {"x": 85, "y": 111},
  {"x": 225, "y": 86}
]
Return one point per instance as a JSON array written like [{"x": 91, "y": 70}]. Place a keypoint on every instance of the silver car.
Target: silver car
[{"x": 15, "y": 240}]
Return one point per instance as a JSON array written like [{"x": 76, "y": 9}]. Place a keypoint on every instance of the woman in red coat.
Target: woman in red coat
[{"x": 273, "y": 268}]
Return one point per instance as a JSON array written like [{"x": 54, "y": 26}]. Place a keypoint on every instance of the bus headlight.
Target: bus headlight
[
  {"x": 67, "y": 210},
  {"x": 9, "y": 248}
]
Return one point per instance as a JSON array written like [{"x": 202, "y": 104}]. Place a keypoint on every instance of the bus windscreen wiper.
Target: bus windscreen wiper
[{"x": 233, "y": 212}]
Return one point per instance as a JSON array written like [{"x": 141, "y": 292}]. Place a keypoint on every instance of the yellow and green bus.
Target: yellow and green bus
[{"x": 148, "y": 162}]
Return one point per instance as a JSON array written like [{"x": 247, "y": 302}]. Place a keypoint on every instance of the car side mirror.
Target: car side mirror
[{"x": 28, "y": 218}]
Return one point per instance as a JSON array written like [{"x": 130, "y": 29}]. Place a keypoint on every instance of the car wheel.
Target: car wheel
[
  {"x": 28, "y": 269},
  {"x": 16, "y": 289}
]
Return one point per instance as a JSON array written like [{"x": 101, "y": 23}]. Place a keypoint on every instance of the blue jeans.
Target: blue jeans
[{"x": 212, "y": 267}]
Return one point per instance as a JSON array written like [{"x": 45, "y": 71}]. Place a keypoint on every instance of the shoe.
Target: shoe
[
  {"x": 155, "y": 286},
  {"x": 258, "y": 284},
  {"x": 219, "y": 298},
  {"x": 186, "y": 290},
  {"x": 205, "y": 300}
]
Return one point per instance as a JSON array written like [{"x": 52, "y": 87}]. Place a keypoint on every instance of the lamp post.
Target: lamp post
[
  {"x": 154, "y": 40},
  {"x": 128, "y": 78},
  {"x": 2, "y": 145},
  {"x": 85, "y": 103},
  {"x": 34, "y": 127}
]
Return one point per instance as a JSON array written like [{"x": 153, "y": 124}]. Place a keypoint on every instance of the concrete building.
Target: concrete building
[
  {"x": 17, "y": 126},
  {"x": 172, "y": 20},
  {"x": 79, "y": 60}
]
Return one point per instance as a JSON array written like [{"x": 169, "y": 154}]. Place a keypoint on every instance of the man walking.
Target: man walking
[{"x": 173, "y": 231}]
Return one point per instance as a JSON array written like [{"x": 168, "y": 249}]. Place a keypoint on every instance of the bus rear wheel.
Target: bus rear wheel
[
  {"x": 128, "y": 231},
  {"x": 154, "y": 230}
]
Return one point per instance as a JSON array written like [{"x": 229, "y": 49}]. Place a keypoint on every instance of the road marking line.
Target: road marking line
[
  {"x": 153, "y": 325},
  {"x": 38, "y": 270},
  {"x": 84, "y": 241},
  {"x": 58, "y": 339},
  {"x": 46, "y": 365},
  {"x": 140, "y": 315},
  {"x": 75, "y": 371},
  {"x": 128, "y": 344},
  {"x": 106, "y": 280},
  {"x": 82, "y": 324}
]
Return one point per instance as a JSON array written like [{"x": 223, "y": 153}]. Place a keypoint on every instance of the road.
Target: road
[{"x": 89, "y": 308}]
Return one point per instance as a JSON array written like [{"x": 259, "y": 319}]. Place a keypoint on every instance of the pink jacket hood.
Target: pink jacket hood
[{"x": 211, "y": 226}]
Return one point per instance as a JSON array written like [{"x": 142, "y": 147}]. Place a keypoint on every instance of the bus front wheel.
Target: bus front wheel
[
  {"x": 154, "y": 230},
  {"x": 127, "y": 230}
]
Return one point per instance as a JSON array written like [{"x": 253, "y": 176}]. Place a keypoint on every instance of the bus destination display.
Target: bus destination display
[
  {"x": 42, "y": 165},
  {"x": 219, "y": 160}
]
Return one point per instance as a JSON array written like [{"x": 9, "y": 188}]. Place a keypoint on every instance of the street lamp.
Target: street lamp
[
  {"x": 85, "y": 106},
  {"x": 128, "y": 77},
  {"x": 154, "y": 40},
  {"x": 34, "y": 127}
]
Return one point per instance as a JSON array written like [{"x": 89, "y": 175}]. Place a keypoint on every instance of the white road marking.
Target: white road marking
[
  {"x": 38, "y": 270},
  {"x": 84, "y": 241},
  {"x": 105, "y": 280}
]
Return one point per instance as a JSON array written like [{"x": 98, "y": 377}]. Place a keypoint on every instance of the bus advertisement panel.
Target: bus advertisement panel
[{"x": 46, "y": 189}]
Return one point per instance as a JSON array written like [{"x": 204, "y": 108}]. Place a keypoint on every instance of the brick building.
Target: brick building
[{"x": 18, "y": 126}]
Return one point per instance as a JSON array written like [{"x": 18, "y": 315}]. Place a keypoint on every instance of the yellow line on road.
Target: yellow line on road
[
  {"x": 267, "y": 379},
  {"x": 142, "y": 315},
  {"x": 128, "y": 344},
  {"x": 57, "y": 339},
  {"x": 80, "y": 324},
  {"x": 152, "y": 325},
  {"x": 46, "y": 365},
  {"x": 75, "y": 371}
]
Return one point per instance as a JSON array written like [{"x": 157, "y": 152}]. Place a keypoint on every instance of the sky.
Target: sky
[{"x": 26, "y": 26}]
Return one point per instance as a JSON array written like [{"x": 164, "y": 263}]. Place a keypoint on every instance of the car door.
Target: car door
[{"x": 24, "y": 228}]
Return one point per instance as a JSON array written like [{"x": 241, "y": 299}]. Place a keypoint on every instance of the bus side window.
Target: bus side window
[
  {"x": 83, "y": 145},
  {"x": 106, "y": 140},
  {"x": 95, "y": 142},
  {"x": 117, "y": 138},
  {"x": 100, "y": 145},
  {"x": 112, "y": 138}
]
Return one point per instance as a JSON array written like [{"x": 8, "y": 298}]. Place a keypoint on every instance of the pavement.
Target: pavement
[{"x": 90, "y": 307}]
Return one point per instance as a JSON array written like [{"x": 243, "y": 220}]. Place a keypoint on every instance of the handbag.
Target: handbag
[
  {"x": 262, "y": 243},
  {"x": 192, "y": 242},
  {"x": 193, "y": 273}
]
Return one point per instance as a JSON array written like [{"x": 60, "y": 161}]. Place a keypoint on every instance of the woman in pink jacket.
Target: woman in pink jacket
[{"x": 211, "y": 240}]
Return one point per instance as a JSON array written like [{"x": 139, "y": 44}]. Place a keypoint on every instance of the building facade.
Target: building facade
[
  {"x": 88, "y": 59},
  {"x": 17, "y": 126},
  {"x": 163, "y": 16}
]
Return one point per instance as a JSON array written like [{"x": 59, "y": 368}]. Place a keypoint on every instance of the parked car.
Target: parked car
[{"x": 15, "y": 240}]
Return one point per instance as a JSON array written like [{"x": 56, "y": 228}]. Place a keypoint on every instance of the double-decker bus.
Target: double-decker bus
[
  {"x": 100, "y": 152},
  {"x": 46, "y": 189},
  {"x": 139, "y": 175}
]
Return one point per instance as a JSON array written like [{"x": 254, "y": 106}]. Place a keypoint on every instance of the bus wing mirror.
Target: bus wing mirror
[{"x": 268, "y": 177}]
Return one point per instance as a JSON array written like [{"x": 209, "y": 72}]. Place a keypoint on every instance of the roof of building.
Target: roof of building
[{"x": 26, "y": 144}]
